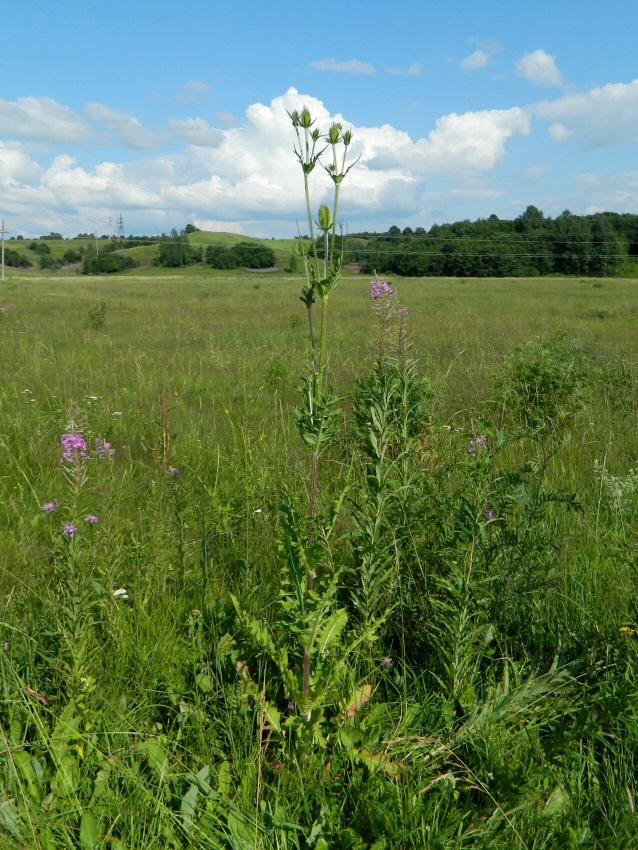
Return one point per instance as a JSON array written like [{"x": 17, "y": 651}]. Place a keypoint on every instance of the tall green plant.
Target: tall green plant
[{"x": 316, "y": 417}]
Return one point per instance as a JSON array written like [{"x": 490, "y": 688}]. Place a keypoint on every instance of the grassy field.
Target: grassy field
[{"x": 472, "y": 629}]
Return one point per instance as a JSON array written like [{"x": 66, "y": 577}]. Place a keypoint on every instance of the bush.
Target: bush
[
  {"x": 541, "y": 382},
  {"x": 107, "y": 264},
  {"x": 219, "y": 257},
  {"x": 16, "y": 260},
  {"x": 72, "y": 256},
  {"x": 178, "y": 254},
  {"x": 244, "y": 255}
]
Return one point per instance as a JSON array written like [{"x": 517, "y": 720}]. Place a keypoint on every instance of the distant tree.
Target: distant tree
[
  {"x": 16, "y": 260},
  {"x": 40, "y": 248},
  {"x": 251, "y": 255},
  {"x": 72, "y": 256},
  {"x": 190, "y": 228},
  {"x": 394, "y": 231},
  {"x": 219, "y": 257},
  {"x": 177, "y": 254},
  {"x": 106, "y": 263},
  {"x": 48, "y": 261}
]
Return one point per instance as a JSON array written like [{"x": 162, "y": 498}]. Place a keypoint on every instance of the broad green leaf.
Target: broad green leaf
[
  {"x": 65, "y": 730},
  {"x": 66, "y": 780},
  {"x": 28, "y": 774},
  {"x": 90, "y": 836},
  {"x": 224, "y": 779},
  {"x": 101, "y": 781},
  {"x": 332, "y": 630},
  {"x": 155, "y": 754},
  {"x": 9, "y": 819},
  {"x": 187, "y": 807}
]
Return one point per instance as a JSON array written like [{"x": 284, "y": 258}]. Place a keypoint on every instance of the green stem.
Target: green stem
[
  {"x": 335, "y": 213},
  {"x": 322, "y": 344},
  {"x": 313, "y": 240}
]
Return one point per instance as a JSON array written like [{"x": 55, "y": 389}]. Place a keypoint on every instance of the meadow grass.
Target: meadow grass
[{"x": 474, "y": 670}]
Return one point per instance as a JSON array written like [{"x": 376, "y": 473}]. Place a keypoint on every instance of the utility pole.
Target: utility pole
[{"x": 3, "y": 230}]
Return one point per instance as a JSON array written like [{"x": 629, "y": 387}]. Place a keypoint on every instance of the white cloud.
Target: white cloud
[
  {"x": 414, "y": 70},
  {"x": 473, "y": 141},
  {"x": 16, "y": 166},
  {"x": 248, "y": 173},
  {"x": 540, "y": 69},
  {"x": 196, "y": 131},
  {"x": 478, "y": 59},
  {"x": 604, "y": 116},
  {"x": 351, "y": 66},
  {"x": 197, "y": 86},
  {"x": 123, "y": 127},
  {"x": 42, "y": 119}
]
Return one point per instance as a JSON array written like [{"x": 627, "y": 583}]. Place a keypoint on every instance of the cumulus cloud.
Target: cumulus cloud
[
  {"x": 42, "y": 119},
  {"x": 603, "y": 116},
  {"x": 247, "y": 173},
  {"x": 123, "y": 127},
  {"x": 350, "y": 66},
  {"x": 540, "y": 69},
  {"x": 16, "y": 166},
  {"x": 471, "y": 142}
]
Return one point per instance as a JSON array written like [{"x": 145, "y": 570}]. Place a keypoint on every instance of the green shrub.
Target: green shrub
[{"x": 541, "y": 382}]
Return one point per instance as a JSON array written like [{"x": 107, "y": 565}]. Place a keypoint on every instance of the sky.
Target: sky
[{"x": 168, "y": 115}]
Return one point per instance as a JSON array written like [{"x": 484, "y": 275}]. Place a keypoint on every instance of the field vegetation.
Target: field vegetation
[{"x": 472, "y": 625}]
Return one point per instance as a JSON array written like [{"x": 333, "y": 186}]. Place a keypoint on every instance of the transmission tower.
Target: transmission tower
[
  {"x": 111, "y": 227},
  {"x": 120, "y": 228}
]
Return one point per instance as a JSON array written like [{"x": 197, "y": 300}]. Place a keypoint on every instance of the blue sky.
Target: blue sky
[{"x": 167, "y": 115}]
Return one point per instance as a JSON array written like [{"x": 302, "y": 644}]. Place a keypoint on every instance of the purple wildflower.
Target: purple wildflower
[
  {"x": 75, "y": 448},
  {"x": 380, "y": 289},
  {"x": 91, "y": 518},
  {"x": 174, "y": 472},
  {"x": 70, "y": 530},
  {"x": 103, "y": 449},
  {"x": 386, "y": 662},
  {"x": 477, "y": 445},
  {"x": 50, "y": 507},
  {"x": 489, "y": 514}
]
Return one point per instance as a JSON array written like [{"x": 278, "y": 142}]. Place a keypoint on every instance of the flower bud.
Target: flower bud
[
  {"x": 334, "y": 134},
  {"x": 325, "y": 218},
  {"x": 305, "y": 119}
]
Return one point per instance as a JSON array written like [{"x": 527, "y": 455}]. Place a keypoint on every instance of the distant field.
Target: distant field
[
  {"x": 144, "y": 255},
  {"x": 458, "y": 326}
]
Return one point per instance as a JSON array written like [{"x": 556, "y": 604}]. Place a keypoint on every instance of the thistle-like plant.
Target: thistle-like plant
[{"x": 316, "y": 417}]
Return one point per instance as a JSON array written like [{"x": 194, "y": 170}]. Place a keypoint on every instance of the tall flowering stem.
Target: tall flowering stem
[{"x": 316, "y": 419}]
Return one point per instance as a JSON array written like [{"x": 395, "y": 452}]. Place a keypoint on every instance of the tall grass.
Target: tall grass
[{"x": 473, "y": 626}]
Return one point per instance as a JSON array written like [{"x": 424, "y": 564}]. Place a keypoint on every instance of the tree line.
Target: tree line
[{"x": 603, "y": 244}]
